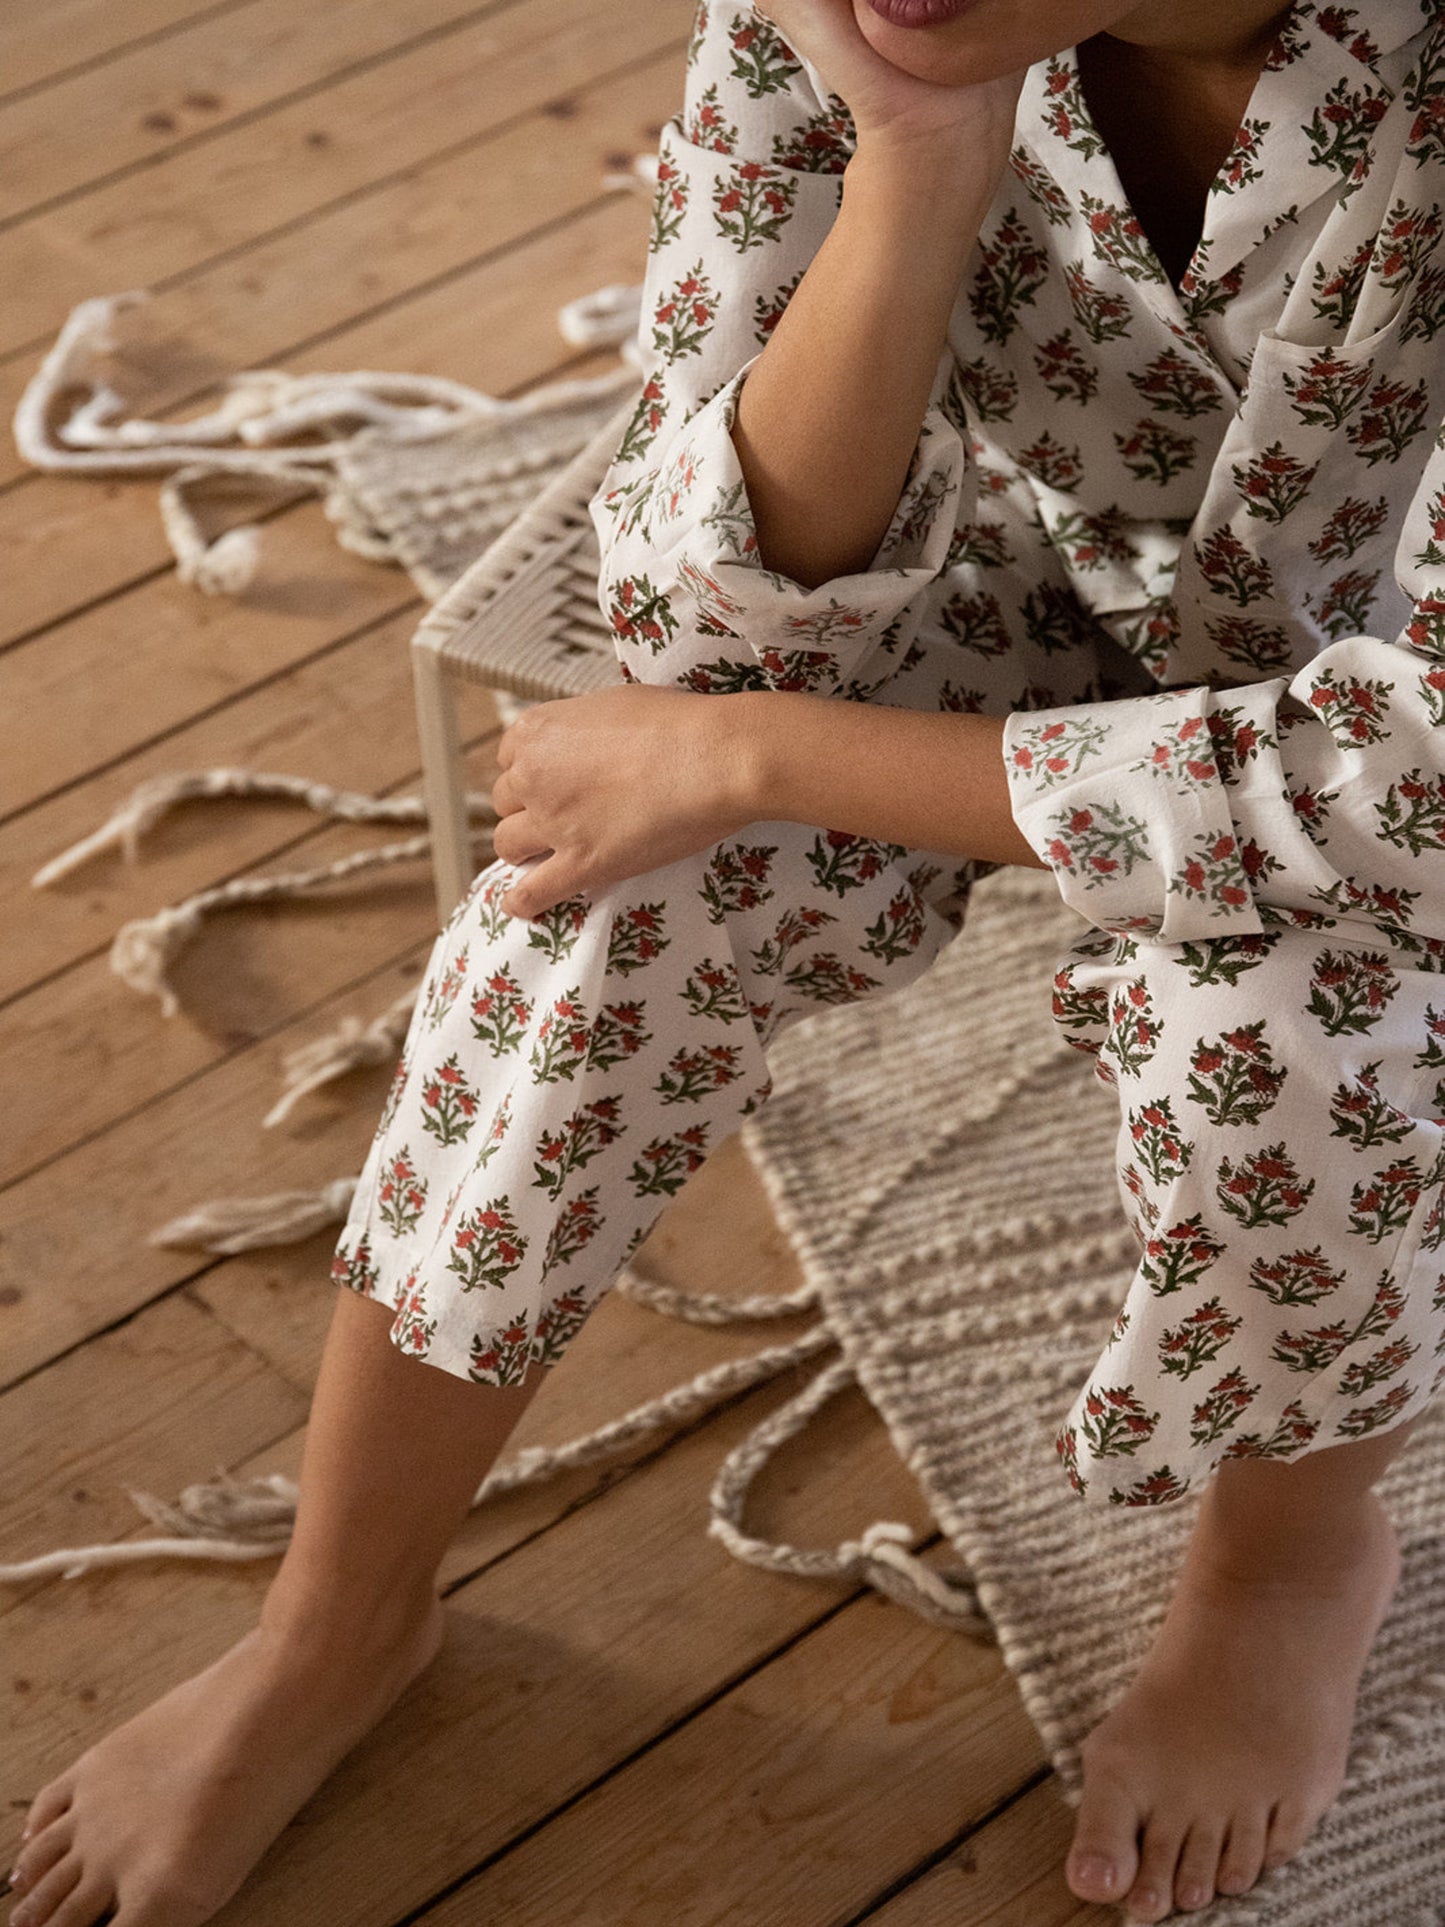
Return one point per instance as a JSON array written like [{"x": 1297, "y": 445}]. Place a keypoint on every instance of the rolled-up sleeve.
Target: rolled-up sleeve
[
  {"x": 749, "y": 185},
  {"x": 1208, "y": 812}
]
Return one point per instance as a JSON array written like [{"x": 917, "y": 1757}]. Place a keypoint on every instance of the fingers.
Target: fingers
[
  {"x": 504, "y": 798},
  {"x": 514, "y": 839},
  {"x": 541, "y": 888}
]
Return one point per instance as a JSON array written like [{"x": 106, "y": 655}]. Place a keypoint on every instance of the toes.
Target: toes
[
  {"x": 161, "y": 1895},
  {"x": 1104, "y": 1855},
  {"x": 45, "y": 1848},
  {"x": 1290, "y": 1826},
  {"x": 91, "y": 1900},
  {"x": 1152, "y": 1894},
  {"x": 49, "y": 1803},
  {"x": 1243, "y": 1855},
  {"x": 1198, "y": 1864},
  {"x": 46, "y": 1895},
  {"x": 155, "y": 1906}
]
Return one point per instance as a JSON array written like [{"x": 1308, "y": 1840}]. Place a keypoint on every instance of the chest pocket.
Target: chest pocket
[{"x": 1294, "y": 543}]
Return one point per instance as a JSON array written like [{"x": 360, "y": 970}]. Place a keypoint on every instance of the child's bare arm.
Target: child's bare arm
[{"x": 829, "y": 415}]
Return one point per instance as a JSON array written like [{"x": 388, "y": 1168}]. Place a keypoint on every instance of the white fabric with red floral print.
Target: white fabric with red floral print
[{"x": 1190, "y": 543}]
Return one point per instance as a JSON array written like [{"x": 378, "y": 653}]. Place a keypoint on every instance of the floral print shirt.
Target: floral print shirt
[{"x": 1240, "y": 483}]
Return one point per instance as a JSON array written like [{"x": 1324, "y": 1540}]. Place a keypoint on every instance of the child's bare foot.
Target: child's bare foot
[
  {"x": 164, "y": 1817},
  {"x": 1231, "y": 1743}
]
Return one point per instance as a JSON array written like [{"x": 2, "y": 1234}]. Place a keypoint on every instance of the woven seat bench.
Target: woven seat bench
[{"x": 523, "y": 620}]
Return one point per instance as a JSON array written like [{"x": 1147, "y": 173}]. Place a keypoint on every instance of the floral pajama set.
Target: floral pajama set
[{"x": 1190, "y": 542}]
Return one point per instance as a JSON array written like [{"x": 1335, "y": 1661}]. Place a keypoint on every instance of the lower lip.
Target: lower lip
[{"x": 919, "y": 13}]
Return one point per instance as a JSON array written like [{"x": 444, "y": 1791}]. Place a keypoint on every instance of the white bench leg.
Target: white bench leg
[{"x": 444, "y": 780}]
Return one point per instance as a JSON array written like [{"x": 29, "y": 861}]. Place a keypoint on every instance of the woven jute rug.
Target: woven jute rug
[{"x": 943, "y": 1164}]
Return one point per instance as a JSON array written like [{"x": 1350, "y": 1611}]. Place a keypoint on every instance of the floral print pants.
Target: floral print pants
[
  {"x": 1280, "y": 1157},
  {"x": 1279, "y": 1152}
]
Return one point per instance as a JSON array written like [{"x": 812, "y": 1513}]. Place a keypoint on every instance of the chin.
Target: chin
[{"x": 956, "y": 53}]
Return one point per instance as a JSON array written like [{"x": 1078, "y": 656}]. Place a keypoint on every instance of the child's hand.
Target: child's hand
[
  {"x": 890, "y": 104},
  {"x": 613, "y": 783}
]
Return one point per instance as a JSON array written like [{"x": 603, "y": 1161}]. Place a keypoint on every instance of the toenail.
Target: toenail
[
  {"x": 1193, "y": 1897},
  {"x": 1093, "y": 1866}
]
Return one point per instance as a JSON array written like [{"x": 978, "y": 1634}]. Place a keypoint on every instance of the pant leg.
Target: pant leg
[
  {"x": 562, "y": 1078},
  {"x": 1281, "y": 1156}
]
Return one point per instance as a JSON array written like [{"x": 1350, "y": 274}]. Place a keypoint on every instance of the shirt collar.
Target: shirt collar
[{"x": 1324, "y": 87}]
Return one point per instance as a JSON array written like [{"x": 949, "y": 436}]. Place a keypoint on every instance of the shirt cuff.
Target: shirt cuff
[
  {"x": 702, "y": 540},
  {"x": 1125, "y": 802}
]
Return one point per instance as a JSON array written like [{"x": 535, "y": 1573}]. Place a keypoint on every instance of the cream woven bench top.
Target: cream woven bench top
[{"x": 525, "y": 616}]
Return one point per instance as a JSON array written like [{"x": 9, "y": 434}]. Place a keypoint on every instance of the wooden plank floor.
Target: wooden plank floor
[{"x": 626, "y": 1725}]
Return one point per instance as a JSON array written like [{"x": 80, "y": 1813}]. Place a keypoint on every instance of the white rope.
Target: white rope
[
  {"x": 227, "y": 565},
  {"x": 347, "y": 1047},
  {"x": 71, "y": 1563},
  {"x": 880, "y": 1557},
  {"x": 225, "y": 1518},
  {"x": 686, "y": 1401},
  {"x": 608, "y": 317},
  {"x": 229, "y": 1225},
  {"x": 141, "y": 949},
  {"x": 149, "y": 801},
  {"x": 709, "y": 1308},
  {"x": 261, "y": 407},
  {"x": 250, "y": 435},
  {"x": 228, "y": 1518},
  {"x": 260, "y": 1509}
]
